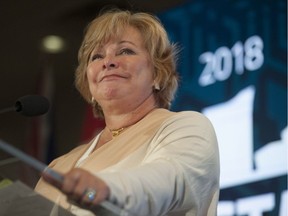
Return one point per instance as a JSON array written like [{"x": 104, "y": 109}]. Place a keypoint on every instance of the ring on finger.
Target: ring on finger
[{"x": 90, "y": 194}]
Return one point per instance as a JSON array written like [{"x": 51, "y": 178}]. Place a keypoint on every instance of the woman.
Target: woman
[{"x": 147, "y": 160}]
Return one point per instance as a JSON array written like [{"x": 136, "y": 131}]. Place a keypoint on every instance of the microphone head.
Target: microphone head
[{"x": 32, "y": 105}]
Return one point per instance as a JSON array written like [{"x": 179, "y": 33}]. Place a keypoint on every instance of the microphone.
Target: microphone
[{"x": 29, "y": 105}]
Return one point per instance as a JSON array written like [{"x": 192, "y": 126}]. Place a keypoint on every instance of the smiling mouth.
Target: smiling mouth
[{"x": 111, "y": 77}]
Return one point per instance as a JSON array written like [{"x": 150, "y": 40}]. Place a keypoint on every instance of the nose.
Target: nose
[{"x": 110, "y": 63}]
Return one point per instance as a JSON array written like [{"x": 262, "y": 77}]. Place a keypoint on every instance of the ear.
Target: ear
[{"x": 156, "y": 86}]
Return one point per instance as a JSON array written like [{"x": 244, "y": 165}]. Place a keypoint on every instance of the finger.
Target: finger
[
  {"x": 86, "y": 187},
  {"x": 51, "y": 180},
  {"x": 102, "y": 192},
  {"x": 88, "y": 196},
  {"x": 79, "y": 191},
  {"x": 70, "y": 182},
  {"x": 76, "y": 181}
]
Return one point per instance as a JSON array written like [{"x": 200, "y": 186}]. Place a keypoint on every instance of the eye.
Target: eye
[
  {"x": 96, "y": 57},
  {"x": 126, "y": 51}
]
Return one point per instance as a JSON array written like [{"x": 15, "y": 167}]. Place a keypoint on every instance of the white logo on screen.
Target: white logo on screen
[{"x": 233, "y": 123}]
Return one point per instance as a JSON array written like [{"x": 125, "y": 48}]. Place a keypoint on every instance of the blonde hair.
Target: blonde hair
[{"x": 163, "y": 54}]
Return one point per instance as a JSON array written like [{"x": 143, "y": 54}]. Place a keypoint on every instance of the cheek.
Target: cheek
[
  {"x": 89, "y": 74},
  {"x": 92, "y": 73},
  {"x": 145, "y": 70},
  {"x": 138, "y": 65}
]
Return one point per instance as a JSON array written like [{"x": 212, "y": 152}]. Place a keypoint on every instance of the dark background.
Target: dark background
[{"x": 23, "y": 26}]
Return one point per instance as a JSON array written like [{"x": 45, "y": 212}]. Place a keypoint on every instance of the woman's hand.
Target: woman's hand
[{"x": 81, "y": 187}]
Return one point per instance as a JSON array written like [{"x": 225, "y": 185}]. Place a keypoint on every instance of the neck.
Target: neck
[{"x": 117, "y": 120}]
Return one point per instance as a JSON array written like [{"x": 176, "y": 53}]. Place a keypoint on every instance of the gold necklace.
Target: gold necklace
[{"x": 116, "y": 132}]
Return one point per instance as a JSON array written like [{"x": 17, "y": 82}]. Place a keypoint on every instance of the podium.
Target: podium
[{"x": 19, "y": 199}]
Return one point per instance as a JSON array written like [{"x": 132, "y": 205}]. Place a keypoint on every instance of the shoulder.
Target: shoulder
[
  {"x": 189, "y": 118},
  {"x": 171, "y": 115},
  {"x": 187, "y": 125},
  {"x": 190, "y": 114}
]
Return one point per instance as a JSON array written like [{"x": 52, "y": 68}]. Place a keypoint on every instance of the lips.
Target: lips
[{"x": 110, "y": 77}]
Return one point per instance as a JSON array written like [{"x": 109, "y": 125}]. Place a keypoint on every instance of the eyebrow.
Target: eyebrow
[
  {"x": 121, "y": 42},
  {"x": 130, "y": 42}
]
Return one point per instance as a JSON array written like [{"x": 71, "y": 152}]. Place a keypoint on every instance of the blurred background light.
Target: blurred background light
[{"x": 53, "y": 44}]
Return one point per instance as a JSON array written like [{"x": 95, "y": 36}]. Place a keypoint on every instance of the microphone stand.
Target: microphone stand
[{"x": 7, "y": 110}]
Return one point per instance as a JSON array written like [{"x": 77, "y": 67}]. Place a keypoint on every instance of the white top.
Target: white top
[
  {"x": 173, "y": 171},
  {"x": 179, "y": 169}
]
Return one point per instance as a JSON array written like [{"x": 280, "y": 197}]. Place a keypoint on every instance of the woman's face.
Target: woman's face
[{"x": 121, "y": 70}]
